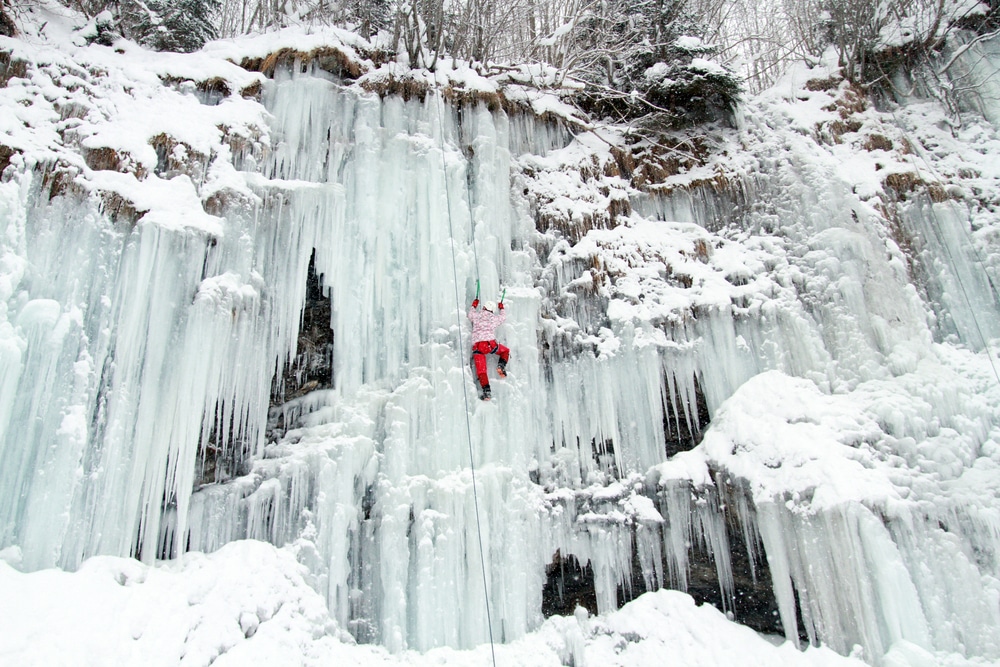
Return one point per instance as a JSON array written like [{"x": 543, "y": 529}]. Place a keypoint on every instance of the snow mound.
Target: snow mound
[
  {"x": 245, "y": 604},
  {"x": 249, "y": 604}
]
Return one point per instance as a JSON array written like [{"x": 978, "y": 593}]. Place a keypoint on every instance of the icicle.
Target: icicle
[
  {"x": 678, "y": 534},
  {"x": 772, "y": 534},
  {"x": 968, "y": 301},
  {"x": 131, "y": 358}
]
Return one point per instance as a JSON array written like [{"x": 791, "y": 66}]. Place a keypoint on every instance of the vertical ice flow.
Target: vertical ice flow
[{"x": 134, "y": 357}]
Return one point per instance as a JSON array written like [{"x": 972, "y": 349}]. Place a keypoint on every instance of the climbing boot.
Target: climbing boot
[
  {"x": 502, "y": 368},
  {"x": 486, "y": 395}
]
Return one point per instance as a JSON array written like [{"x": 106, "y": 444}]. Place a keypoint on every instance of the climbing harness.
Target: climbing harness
[
  {"x": 485, "y": 347},
  {"x": 465, "y": 393}
]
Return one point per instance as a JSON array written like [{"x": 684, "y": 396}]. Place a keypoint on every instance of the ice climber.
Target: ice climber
[{"x": 484, "y": 341}]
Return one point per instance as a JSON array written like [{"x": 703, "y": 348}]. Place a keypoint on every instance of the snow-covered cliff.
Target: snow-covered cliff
[{"x": 756, "y": 364}]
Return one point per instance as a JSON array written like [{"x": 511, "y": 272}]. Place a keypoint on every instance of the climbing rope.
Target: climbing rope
[{"x": 465, "y": 391}]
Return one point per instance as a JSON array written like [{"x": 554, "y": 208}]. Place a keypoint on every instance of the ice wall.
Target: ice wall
[{"x": 136, "y": 349}]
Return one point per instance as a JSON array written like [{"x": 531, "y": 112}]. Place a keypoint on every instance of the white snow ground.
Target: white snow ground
[{"x": 249, "y": 604}]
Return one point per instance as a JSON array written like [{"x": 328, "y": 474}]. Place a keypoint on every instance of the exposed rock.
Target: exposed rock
[{"x": 568, "y": 585}]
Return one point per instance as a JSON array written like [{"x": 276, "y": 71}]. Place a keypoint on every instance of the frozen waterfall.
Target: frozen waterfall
[{"x": 776, "y": 393}]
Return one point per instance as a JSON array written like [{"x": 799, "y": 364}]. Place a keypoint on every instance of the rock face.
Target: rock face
[
  {"x": 568, "y": 585},
  {"x": 312, "y": 367}
]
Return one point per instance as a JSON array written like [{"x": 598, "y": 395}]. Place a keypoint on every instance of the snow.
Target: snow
[
  {"x": 245, "y": 604},
  {"x": 839, "y": 335},
  {"x": 294, "y": 38},
  {"x": 250, "y": 604},
  {"x": 792, "y": 441},
  {"x": 689, "y": 43},
  {"x": 169, "y": 204},
  {"x": 557, "y": 34},
  {"x": 917, "y": 25},
  {"x": 707, "y": 66}
]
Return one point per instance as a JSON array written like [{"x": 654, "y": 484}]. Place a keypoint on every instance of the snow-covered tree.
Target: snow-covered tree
[
  {"x": 170, "y": 25},
  {"x": 874, "y": 39},
  {"x": 106, "y": 30},
  {"x": 7, "y": 27},
  {"x": 687, "y": 83},
  {"x": 647, "y": 58},
  {"x": 368, "y": 17}
]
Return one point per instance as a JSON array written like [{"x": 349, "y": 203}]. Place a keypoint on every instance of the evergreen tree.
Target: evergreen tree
[
  {"x": 7, "y": 26},
  {"x": 169, "y": 25},
  {"x": 368, "y": 17},
  {"x": 653, "y": 65},
  {"x": 105, "y": 30},
  {"x": 683, "y": 80}
]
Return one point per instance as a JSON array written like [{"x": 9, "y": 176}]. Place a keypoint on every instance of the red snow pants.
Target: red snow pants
[{"x": 479, "y": 352}]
